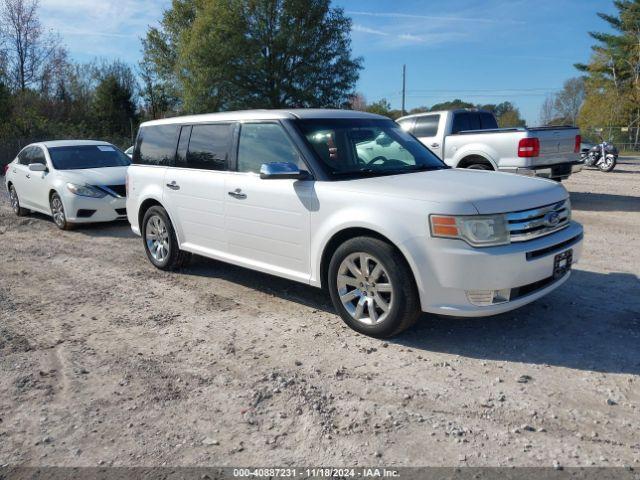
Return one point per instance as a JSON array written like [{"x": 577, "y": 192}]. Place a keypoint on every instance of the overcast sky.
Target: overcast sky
[{"x": 480, "y": 51}]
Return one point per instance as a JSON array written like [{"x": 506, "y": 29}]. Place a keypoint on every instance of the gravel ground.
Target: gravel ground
[{"x": 105, "y": 360}]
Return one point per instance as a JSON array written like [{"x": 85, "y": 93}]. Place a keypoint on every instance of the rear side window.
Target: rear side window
[
  {"x": 461, "y": 123},
  {"x": 24, "y": 156},
  {"x": 487, "y": 121},
  {"x": 209, "y": 147},
  {"x": 156, "y": 145},
  {"x": 264, "y": 143},
  {"x": 427, "y": 126}
]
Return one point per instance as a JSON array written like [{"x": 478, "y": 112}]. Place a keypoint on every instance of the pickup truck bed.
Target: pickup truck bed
[{"x": 542, "y": 151}]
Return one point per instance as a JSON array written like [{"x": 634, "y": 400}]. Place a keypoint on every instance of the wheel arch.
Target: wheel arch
[
  {"x": 475, "y": 158},
  {"x": 341, "y": 236},
  {"x": 146, "y": 205}
]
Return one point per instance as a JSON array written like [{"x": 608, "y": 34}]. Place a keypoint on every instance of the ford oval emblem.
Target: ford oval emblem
[{"x": 552, "y": 219}]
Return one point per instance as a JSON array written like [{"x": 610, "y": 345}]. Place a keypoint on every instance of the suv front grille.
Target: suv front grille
[{"x": 538, "y": 222}]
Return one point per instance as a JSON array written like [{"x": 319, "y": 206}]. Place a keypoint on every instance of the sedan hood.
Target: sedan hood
[
  {"x": 96, "y": 176},
  {"x": 488, "y": 192}
]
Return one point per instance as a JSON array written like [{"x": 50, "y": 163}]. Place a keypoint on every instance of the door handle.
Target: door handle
[
  {"x": 173, "y": 185},
  {"x": 237, "y": 193},
  {"x": 435, "y": 145}
]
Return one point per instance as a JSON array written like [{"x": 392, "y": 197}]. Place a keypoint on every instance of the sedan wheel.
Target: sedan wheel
[
  {"x": 157, "y": 237},
  {"x": 365, "y": 288},
  {"x": 57, "y": 211}
]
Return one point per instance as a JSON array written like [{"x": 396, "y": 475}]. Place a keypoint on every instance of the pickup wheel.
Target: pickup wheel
[
  {"x": 160, "y": 241},
  {"x": 479, "y": 166},
  {"x": 372, "y": 287}
]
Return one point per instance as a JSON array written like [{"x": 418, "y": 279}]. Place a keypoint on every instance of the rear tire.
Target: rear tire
[
  {"x": 372, "y": 287},
  {"x": 160, "y": 241},
  {"x": 15, "y": 203},
  {"x": 479, "y": 166}
]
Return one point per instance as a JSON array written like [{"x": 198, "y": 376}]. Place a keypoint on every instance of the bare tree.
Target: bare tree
[
  {"x": 547, "y": 111},
  {"x": 28, "y": 48},
  {"x": 569, "y": 100}
]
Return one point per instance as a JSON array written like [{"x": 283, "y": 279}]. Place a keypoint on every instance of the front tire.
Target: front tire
[
  {"x": 608, "y": 164},
  {"x": 58, "y": 213},
  {"x": 372, "y": 287},
  {"x": 160, "y": 241},
  {"x": 15, "y": 203}
]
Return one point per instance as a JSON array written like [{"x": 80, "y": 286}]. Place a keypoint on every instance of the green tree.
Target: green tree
[
  {"x": 381, "y": 107},
  {"x": 114, "y": 108},
  {"x": 451, "y": 105},
  {"x": 613, "y": 72},
  {"x": 231, "y": 54}
]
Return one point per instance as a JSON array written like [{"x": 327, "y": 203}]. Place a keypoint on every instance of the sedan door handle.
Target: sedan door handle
[
  {"x": 173, "y": 185},
  {"x": 237, "y": 193}
]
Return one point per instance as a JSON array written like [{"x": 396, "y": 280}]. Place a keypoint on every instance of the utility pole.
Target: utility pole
[{"x": 404, "y": 85}]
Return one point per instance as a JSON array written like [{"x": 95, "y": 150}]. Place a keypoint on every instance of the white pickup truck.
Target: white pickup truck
[{"x": 470, "y": 138}]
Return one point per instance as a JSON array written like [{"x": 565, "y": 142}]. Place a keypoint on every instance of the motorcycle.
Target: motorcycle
[{"x": 603, "y": 156}]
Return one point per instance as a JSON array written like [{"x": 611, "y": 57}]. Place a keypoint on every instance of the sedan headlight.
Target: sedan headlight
[
  {"x": 85, "y": 191},
  {"x": 476, "y": 230}
]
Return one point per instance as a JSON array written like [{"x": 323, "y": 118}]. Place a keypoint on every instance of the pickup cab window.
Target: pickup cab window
[
  {"x": 426, "y": 126},
  {"x": 464, "y": 121}
]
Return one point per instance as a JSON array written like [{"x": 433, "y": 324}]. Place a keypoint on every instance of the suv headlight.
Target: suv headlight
[
  {"x": 85, "y": 191},
  {"x": 476, "y": 230}
]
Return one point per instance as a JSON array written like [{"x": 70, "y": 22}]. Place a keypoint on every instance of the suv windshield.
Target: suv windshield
[
  {"x": 87, "y": 156},
  {"x": 362, "y": 147}
]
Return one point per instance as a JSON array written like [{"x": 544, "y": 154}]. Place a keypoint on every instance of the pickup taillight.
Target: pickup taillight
[
  {"x": 529, "y": 147},
  {"x": 578, "y": 144}
]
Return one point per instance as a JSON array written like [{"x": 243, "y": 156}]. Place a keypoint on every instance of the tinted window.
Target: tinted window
[
  {"x": 264, "y": 143},
  {"x": 474, "y": 121},
  {"x": 460, "y": 123},
  {"x": 426, "y": 126},
  {"x": 87, "y": 156},
  {"x": 487, "y": 121},
  {"x": 209, "y": 147},
  {"x": 183, "y": 145},
  {"x": 156, "y": 145}
]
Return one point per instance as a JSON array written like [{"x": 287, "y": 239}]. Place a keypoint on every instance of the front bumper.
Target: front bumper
[
  {"x": 80, "y": 209},
  {"x": 446, "y": 270},
  {"x": 558, "y": 171}
]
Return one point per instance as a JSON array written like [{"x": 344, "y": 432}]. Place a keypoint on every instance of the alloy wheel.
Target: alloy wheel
[
  {"x": 57, "y": 210},
  {"x": 157, "y": 238},
  {"x": 365, "y": 288}
]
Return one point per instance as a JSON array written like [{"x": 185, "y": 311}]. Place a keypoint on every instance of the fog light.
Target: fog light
[{"x": 484, "y": 298}]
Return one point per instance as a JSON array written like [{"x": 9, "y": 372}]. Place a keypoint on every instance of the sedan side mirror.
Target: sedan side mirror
[
  {"x": 37, "y": 167},
  {"x": 282, "y": 170}
]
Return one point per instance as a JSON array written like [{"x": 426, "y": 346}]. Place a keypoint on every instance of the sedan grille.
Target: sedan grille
[
  {"x": 530, "y": 224},
  {"x": 115, "y": 190}
]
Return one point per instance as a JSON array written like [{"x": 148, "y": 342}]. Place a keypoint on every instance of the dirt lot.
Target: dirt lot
[{"x": 106, "y": 361}]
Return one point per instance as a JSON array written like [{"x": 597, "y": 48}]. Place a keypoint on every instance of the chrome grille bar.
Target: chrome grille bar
[{"x": 538, "y": 222}]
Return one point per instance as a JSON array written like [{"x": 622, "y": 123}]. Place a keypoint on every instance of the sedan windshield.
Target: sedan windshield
[
  {"x": 87, "y": 156},
  {"x": 361, "y": 147}
]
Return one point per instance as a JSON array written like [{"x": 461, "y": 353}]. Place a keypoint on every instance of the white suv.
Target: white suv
[{"x": 311, "y": 195}]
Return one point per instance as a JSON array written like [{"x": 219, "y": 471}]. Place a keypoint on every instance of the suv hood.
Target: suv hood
[
  {"x": 96, "y": 176},
  {"x": 488, "y": 192}
]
